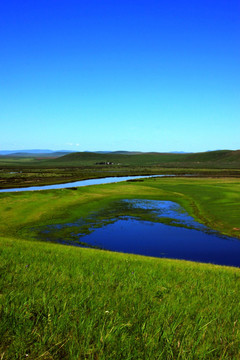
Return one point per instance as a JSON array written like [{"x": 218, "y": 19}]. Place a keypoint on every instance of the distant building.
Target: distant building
[{"x": 104, "y": 163}]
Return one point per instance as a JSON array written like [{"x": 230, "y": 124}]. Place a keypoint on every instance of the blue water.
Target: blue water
[
  {"x": 183, "y": 239},
  {"x": 79, "y": 183},
  {"x": 160, "y": 240}
]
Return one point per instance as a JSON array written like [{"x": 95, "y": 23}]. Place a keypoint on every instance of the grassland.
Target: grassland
[
  {"x": 68, "y": 303},
  {"x": 61, "y": 302},
  {"x": 214, "y": 202},
  {"x": 31, "y": 170},
  {"x": 26, "y": 171},
  {"x": 213, "y": 159},
  {"x": 11, "y": 177},
  {"x": 220, "y": 159}
]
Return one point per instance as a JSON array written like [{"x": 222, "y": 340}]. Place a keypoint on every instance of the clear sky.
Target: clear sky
[{"x": 147, "y": 75}]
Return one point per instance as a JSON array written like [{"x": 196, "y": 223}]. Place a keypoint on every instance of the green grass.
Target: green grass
[
  {"x": 221, "y": 159},
  {"x": 60, "y": 302},
  {"x": 22, "y": 176},
  {"x": 27, "y": 171},
  {"x": 212, "y": 159},
  {"x": 63, "y": 302},
  {"x": 214, "y": 202}
]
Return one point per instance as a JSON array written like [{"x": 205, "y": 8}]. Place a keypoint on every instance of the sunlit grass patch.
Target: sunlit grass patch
[
  {"x": 60, "y": 302},
  {"x": 76, "y": 303}
]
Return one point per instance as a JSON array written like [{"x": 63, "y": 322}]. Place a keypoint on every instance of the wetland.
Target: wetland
[
  {"x": 138, "y": 226},
  {"x": 81, "y": 302},
  {"x": 147, "y": 227},
  {"x": 75, "y": 184}
]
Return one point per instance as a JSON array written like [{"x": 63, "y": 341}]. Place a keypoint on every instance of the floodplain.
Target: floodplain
[{"x": 68, "y": 302}]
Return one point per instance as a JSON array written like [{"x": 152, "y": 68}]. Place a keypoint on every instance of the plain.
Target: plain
[{"x": 63, "y": 302}]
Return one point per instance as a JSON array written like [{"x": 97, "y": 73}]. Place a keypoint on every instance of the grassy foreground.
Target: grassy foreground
[{"x": 60, "y": 302}]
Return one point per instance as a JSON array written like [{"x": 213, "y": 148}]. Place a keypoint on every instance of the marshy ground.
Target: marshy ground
[{"x": 63, "y": 302}]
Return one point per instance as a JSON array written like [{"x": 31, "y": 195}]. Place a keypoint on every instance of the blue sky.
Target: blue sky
[{"x": 120, "y": 75}]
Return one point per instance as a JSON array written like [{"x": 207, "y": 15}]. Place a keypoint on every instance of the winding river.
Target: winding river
[
  {"x": 106, "y": 180},
  {"x": 144, "y": 227}
]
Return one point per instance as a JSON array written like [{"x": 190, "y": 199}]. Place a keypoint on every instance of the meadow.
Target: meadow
[
  {"x": 29, "y": 169},
  {"x": 60, "y": 302},
  {"x": 64, "y": 302},
  {"x": 213, "y": 202}
]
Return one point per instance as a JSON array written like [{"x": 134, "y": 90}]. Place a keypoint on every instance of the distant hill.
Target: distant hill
[
  {"x": 212, "y": 159},
  {"x": 115, "y": 152},
  {"x": 33, "y": 153},
  {"x": 219, "y": 159},
  {"x": 121, "y": 152},
  {"x": 37, "y": 155}
]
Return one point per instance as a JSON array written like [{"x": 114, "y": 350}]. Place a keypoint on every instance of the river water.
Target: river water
[
  {"x": 144, "y": 227},
  {"x": 148, "y": 227},
  {"x": 106, "y": 180}
]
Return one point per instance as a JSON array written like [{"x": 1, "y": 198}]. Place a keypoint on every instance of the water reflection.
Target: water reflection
[
  {"x": 148, "y": 227},
  {"x": 166, "y": 210}
]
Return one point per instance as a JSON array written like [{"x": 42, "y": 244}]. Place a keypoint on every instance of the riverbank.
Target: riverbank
[
  {"x": 213, "y": 202},
  {"x": 23, "y": 174},
  {"x": 63, "y": 302},
  {"x": 80, "y": 183}
]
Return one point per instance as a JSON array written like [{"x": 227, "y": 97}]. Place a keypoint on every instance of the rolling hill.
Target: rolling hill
[{"x": 210, "y": 159}]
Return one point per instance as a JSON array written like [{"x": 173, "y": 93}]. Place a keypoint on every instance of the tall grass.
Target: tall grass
[{"x": 60, "y": 302}]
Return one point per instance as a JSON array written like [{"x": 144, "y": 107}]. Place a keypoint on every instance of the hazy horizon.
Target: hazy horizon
[{"x": 101, "y": 151}]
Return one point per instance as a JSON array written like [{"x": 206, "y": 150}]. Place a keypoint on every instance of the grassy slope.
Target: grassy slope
[
  {"x": 60, "y": 302},
  {"x": 21, "y": 171},
  {"x": 213, "y": 159}
]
